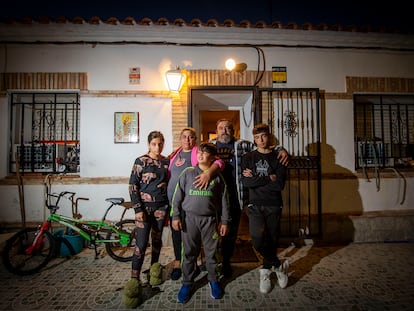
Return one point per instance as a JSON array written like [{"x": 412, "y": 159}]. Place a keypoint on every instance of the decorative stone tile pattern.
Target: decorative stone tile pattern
[{"x": 352, "y": 277}]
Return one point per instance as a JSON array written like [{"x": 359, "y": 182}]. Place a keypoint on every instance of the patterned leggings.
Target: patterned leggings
[{"x": 152, "y": 222}]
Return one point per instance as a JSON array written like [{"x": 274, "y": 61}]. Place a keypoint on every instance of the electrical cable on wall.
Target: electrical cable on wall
[
  {"x": 399, "y": 174},
  {"x": 260, "y": 72},
  {"x": 261, "y": 60}
]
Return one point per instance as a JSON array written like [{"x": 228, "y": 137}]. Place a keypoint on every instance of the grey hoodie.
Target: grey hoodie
[{"x": 209, "y": 202}]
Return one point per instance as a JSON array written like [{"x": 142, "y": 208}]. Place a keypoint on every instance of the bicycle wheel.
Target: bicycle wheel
[
  {"x": 18, "y": 261},
  {"x": 115, "y": 249}
]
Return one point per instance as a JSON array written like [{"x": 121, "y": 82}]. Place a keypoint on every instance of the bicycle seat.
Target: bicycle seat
[{"x": 115, "y": 200}]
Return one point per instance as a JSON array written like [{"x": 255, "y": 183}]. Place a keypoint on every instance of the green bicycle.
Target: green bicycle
[{"x": 31, "y": 249}]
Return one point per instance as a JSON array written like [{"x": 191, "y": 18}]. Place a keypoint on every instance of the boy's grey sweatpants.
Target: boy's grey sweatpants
[{"x": 197, "y": 231}]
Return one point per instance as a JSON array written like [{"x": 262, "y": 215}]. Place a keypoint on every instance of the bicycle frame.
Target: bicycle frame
[
  {"x": 30, "y": 249},
  {"x": 93, "y": 235},
  {"x": 74, "y": 222}
]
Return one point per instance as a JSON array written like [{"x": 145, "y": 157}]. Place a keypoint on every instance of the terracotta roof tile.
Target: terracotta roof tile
[
  {"x": 307, "y": 26},
  {"x": 245, "y": 23},
  {"x": 179, "y": 22},
  {"x": 112, "y": 21},
  {"x": 43, "y": 20},
  {"x": 61, "y": 20},
  {"x": 129, "y": 21},
  {"x": 322, "y": 27},
  {"x": 260, "y": 24},
  {"x": 196, "y": 22},
  {"x": 27, "y": 20},
  {"x": 95, "y": 20},
  {"x": 336, "y": 27},
  {"x": 146, "y": 22},
  {"x": 292, "y": 25},
  {"x": 277, "y": 25},
  {"x": 162, "y": 21},
  {"x": 228, "y": 23},
  {"x": 212, "y": 23},
  {"x": 78, "y": 20},
  {"x": 351, "y": 28}
]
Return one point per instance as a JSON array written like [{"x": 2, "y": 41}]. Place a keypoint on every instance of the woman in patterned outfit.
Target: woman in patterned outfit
[{"x": 148, "y": 192}]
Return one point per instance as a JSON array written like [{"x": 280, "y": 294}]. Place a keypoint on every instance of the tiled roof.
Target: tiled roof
[{"x": 198, "y": 23}]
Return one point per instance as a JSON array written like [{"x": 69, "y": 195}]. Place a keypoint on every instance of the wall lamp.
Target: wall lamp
[
  {"x": 175, "y": 79},
  {"x": 232, "y": 66}
]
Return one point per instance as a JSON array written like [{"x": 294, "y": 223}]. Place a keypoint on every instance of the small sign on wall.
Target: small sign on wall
[
  {"x": 134, "y": 75},
  {"x": 279, "y": 76}
]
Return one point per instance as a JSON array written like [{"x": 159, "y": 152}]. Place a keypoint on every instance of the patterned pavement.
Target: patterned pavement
[{"x": 352, "y": 277}]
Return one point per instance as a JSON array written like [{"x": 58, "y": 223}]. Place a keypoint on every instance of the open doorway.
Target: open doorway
[{"x": 207, "y": 105}]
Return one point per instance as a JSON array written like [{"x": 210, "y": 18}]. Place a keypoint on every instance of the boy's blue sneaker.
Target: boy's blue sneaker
[
  {"x": 184, "y": 293},
  {"x": 215, "y": 290}
]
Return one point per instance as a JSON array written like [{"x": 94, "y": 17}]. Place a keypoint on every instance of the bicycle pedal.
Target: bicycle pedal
[{"x": 102, "y": 253}]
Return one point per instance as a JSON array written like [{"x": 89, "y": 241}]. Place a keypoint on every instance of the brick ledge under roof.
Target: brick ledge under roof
[{"x": 95, "y": 20}]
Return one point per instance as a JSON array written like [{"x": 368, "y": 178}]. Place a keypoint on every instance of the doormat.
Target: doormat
[{"x": 244, "y": 252}]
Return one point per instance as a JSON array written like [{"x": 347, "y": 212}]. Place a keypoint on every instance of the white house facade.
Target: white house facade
[{"x": 98, "y": 62}]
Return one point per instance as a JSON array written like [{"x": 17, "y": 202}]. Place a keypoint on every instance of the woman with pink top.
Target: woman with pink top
[{"x": 183, "y": 157}]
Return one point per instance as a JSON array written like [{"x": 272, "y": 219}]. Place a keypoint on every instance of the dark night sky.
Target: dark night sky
[{"x": 394, "y": 15}]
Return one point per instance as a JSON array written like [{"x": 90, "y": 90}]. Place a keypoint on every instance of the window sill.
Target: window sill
[
  {"x": 386, "y": 172},
  {"x": 37, "y": 179}
]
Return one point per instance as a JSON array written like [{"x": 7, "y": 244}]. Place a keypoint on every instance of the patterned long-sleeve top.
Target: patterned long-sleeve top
[{"x": 148, "y": 182}]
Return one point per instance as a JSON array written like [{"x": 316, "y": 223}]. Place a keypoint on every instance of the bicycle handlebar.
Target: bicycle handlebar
[
  {"x": 70, "y": 196},
  {"x": 67, "y": 194}
]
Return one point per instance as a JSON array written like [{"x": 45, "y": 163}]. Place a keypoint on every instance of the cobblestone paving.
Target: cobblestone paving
[{"x": 353, "y": 277}]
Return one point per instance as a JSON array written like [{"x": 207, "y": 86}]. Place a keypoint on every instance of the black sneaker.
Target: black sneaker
[
  {"x": 175, "y": 274},
  {"x": 196, "y": 272},
  {"x": 226, "y": 270}
]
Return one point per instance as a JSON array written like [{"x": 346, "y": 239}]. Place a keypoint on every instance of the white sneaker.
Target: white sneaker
[
  {"x": 265, "y": 284},
  {"x": 282, "y": 274}
]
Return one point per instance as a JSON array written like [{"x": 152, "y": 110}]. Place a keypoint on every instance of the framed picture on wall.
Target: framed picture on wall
[{"x": 126, "y": 127}]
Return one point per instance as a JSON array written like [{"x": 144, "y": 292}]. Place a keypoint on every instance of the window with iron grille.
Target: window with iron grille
[
  {"x": 384, "y": 130},
  {"x": 44, "y": 132}
]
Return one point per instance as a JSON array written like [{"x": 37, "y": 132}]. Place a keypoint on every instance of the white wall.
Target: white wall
[
  {"x": 100, "y": 156},
  {"x": 108, "y": 66},
  {"x": 35, "y": 210},
  {"x": 327, "y": 69},
  {"x": 339, "y": 135}
]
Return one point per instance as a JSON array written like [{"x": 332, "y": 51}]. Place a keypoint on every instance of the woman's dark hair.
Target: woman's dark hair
[
  {"x": 155, "y": 134},
  {"x": 209, "y": 148}
]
